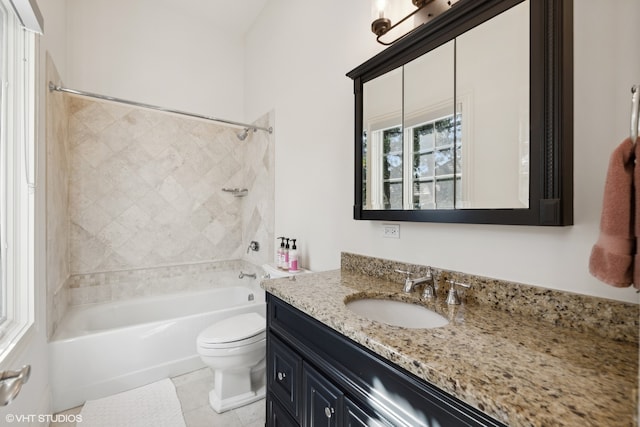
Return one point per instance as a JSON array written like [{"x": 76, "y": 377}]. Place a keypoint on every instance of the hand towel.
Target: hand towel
[
  {"x": 612, "y": 257},
  {"x": 636, "y": 183}
]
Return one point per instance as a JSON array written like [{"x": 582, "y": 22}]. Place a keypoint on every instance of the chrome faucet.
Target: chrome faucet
[{"x": 410, "y": 283}]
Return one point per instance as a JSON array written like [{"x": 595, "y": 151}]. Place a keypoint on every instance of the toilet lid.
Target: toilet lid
[{"x": 233, "y": 329}]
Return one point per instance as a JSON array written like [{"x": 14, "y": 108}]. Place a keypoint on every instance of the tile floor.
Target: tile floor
[{"x": 193, "y": 392}]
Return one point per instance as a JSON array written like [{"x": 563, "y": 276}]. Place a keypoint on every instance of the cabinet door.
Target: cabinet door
[
  {"x": 322, "y": 400},
  {"x": 277, "y": 416},
  {"x": 283, "y": 374}
]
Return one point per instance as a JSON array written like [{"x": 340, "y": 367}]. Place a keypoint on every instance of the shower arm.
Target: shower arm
[{"x": 57, "y": 88}]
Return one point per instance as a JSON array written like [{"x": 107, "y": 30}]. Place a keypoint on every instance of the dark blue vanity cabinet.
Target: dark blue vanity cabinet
[{"x": 318, "y": 377}]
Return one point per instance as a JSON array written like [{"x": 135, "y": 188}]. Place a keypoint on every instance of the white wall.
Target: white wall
[
  {"x": 157, "y": 53},
  {"x": 54, "y": 40},
  {"x": 296, "y": 58}
]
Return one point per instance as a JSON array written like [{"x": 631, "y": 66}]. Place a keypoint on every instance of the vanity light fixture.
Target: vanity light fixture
[{"x": 425, "y": 11}]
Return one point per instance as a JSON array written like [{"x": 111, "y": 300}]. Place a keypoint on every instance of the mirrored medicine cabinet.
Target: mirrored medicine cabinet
[{"x": 469, "y": 118}]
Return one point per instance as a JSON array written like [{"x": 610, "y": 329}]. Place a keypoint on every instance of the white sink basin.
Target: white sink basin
[{"x": 397, "y": 313}]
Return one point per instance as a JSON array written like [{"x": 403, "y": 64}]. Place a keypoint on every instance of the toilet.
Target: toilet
[{"x": 235, "y": 349}]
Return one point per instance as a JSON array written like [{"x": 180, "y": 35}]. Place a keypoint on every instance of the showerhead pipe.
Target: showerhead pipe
[{"x": 54, "y": 87}]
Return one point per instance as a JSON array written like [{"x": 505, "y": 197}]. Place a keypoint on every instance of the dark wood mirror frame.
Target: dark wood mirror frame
[{"x": 551, "y": 110}]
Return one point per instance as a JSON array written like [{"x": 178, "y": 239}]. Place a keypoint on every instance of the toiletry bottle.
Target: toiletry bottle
[
  {"x": 285, "y": 264},
  {"x": 280, "y": 253},
  {"x": 293, "y": 257}
]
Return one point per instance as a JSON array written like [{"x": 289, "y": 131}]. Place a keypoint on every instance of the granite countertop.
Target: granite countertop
[{"x": 515, "y": 368}]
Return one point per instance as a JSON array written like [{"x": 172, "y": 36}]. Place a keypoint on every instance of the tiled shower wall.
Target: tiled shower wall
[
  {"x": 145, "y": 192},
  {"x": 146, "y": 188},
  {"x": 57, "y": 189},
  {"x": 258, "y": 211}
]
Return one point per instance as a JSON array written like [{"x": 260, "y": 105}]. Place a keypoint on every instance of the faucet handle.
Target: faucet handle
[
  {"x": 452, "y": 297},
  {"x": 405, "y": 272}
]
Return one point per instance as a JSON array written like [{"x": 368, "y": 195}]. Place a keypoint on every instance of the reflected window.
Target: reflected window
[
  {"x": 420, "y": 169},
  {"x": 436, "y": 161},
  {"x": 392, "y": 168}
]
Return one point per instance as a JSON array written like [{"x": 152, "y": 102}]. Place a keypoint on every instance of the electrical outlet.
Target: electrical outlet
[{"x": 391, "y": 231}]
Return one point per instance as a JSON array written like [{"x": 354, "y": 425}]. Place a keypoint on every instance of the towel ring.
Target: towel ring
[{"x": 635, "y": 114}]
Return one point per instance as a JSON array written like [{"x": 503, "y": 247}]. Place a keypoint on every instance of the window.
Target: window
[{"x": 17, "y": 177}]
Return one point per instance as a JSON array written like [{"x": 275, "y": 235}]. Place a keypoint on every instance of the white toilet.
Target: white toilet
[{"x": 235, "y": 348}]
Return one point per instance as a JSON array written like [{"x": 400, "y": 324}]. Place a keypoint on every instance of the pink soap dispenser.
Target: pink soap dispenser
[{"x": 293, "y": 257}]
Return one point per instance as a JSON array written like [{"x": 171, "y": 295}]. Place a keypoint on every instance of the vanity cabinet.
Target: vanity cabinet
[{"x": 318, "y": 377}]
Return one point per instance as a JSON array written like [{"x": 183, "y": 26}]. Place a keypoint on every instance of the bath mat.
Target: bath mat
[{"x": 154, "y": 405}]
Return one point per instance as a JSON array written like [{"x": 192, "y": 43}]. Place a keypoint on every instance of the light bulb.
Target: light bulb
[{"x": 379, "y": 7}]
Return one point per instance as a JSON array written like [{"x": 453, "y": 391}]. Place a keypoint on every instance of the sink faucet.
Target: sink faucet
[{"x": 410, "y": 283}]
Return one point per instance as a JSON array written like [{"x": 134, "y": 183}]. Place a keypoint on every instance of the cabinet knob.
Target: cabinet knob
[
  {"x": 281, "y": 376},
  {"x": 328, "y": 411}
]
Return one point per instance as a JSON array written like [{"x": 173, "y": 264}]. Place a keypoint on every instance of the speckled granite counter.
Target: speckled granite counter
[{"x": 517, "y": 369}]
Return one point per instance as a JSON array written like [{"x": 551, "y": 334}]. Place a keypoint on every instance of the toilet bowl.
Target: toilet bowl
[{"x": 235, "y": 350}]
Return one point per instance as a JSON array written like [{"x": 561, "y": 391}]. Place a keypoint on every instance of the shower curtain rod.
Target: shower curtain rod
[{"x": 57, "y": 88}]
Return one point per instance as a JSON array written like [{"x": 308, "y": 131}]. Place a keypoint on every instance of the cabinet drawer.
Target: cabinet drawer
[{"x": 283, "y": 375}]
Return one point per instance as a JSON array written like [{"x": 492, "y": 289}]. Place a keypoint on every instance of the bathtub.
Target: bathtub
[{"x": 102, "y": 349}]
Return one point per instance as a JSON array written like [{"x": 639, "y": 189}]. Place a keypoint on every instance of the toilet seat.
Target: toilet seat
[{"x": 236, "y": 331}]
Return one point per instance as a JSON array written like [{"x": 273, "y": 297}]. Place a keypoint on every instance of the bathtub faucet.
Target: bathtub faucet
[{"x": 243, "y": 274}]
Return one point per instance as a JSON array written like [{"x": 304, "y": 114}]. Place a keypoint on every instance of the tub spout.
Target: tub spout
[{"x": 243, "y": 274}]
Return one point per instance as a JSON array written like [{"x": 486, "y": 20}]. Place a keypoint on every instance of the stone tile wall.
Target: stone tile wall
[
  {"x": 141, "y": 190},
  {"x": 258, "y": 211},
  {"x": 135, "y": 283},
  {"x": 58, "y": 170},
  {"x": 146, "y": 188}
]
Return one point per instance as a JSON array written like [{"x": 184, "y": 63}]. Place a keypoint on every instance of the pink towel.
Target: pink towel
[
  {"x": 636, "y": 183},
  {"x": 614, "y": 254}
]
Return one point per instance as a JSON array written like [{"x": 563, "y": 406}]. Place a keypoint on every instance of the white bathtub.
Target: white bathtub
[{"x": 102, "y": 349}]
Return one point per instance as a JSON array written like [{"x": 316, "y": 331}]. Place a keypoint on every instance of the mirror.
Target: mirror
[{"x": 469, "y": 118}]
